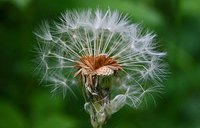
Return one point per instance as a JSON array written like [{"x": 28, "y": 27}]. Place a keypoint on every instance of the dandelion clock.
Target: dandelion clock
[{"x": 111, "y": 59}]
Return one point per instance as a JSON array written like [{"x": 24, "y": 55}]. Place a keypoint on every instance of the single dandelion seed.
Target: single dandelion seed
[{"x": 115, "y": 63}]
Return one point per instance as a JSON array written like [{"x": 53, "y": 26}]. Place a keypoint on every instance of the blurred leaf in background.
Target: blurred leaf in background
[{"x": 26, "y": 104}]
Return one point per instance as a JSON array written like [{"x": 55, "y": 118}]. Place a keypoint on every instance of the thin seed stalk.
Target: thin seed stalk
[{"x": 97, "y": 99}]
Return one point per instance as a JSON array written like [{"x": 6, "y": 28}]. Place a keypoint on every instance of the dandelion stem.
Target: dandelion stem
[{"x": 97, "y": 97}]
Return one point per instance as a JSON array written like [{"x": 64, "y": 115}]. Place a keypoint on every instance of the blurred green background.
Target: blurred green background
[{"x": 26, "y": 104}]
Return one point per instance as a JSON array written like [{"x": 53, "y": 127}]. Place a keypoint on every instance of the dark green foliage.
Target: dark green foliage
[{"x": 25, "y": 104}]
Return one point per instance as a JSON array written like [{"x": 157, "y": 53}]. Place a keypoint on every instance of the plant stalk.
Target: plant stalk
[{"x": 97, "y": 99}]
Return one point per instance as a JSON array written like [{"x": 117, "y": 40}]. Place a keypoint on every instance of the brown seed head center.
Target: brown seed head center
[{"x": 100, "y": 65}]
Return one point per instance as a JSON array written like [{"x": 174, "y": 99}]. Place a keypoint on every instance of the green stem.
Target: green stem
[{"x": 97, "y": 97}]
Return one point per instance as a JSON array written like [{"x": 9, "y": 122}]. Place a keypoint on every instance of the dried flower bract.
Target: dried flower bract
[{"x": 96, "y": 65}]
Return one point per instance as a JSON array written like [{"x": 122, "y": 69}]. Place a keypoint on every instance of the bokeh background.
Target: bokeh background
[{"x": 26, "y": 104}]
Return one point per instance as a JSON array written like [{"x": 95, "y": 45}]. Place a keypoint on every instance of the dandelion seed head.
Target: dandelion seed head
[{"x": 97, "y": 44}]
